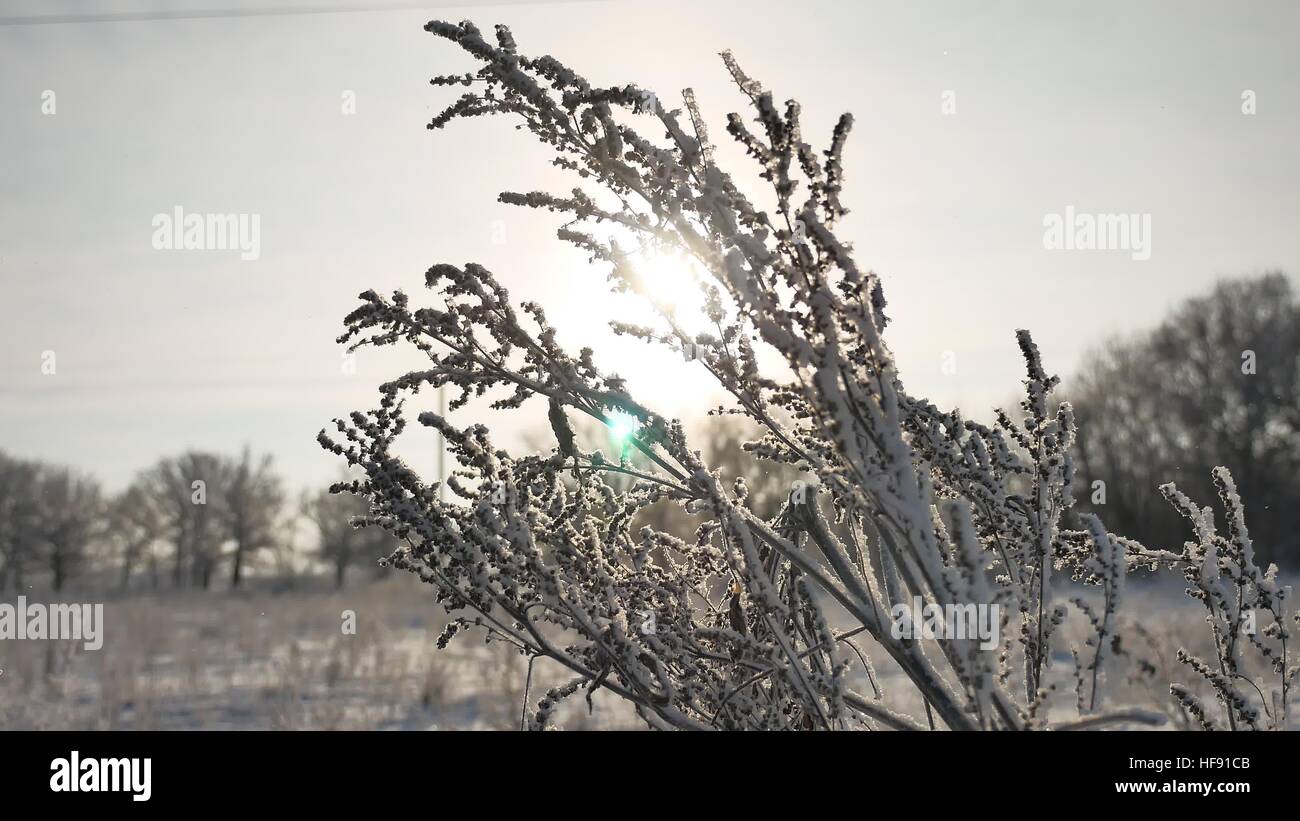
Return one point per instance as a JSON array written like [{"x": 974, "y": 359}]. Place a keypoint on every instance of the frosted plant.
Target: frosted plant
[
  {"x": 1236, "y": 593},
  {"x": 728, "y": 626}
]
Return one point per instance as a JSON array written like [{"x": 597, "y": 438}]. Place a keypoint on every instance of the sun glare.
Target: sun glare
[
  {"x": 660, "y": 376},
  {"x": 671, "y": 281}
]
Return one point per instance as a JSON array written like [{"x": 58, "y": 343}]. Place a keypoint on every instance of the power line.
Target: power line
[{"x": 267, "y": 11}]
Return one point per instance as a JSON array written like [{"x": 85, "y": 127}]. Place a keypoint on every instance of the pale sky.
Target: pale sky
[{"x": 1106, "y": 107}]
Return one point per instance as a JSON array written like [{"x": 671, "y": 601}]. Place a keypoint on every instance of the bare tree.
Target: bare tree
[
  {"x": 187, "y": 492},
  {"x": 253, "y": 501},
  {"x": 133, "y": 524},
  {"x": 19, "y": 519},
  {"x": 342, "y": 543},
  {"x": 70, "y": 508}
]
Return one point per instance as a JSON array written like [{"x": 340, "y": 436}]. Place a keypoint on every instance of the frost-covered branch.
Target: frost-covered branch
[{"x": 729, "y": 626}]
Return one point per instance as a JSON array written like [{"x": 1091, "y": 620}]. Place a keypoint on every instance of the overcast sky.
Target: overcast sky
[{"x": 1112, "y": 108}]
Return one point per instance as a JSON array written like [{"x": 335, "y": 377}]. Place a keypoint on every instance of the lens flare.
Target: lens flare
[{"x": 621, "y": 425}]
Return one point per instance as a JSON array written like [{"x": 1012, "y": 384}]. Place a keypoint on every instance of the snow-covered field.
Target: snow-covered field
[
  {"x": 266, "y": 661},
  {"x": 282, "y": 661}
]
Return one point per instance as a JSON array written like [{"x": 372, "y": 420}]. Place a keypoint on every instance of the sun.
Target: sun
[
  {"x": 662, "y": 377},
  {"x": 673, "y": 282}
]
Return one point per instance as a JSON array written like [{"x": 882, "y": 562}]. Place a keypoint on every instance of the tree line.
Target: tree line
[
  {"x": 1216, "y": 383},
  {"x": 193, "y": 520}
]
